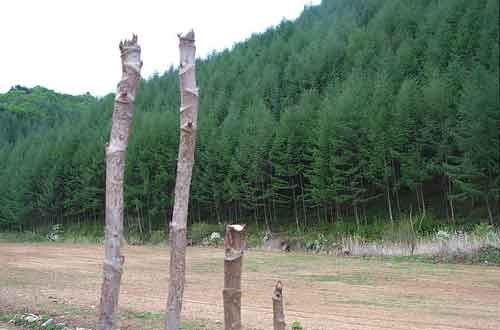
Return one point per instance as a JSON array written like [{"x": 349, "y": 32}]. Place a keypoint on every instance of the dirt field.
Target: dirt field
[{"x": 321, "y": 292}]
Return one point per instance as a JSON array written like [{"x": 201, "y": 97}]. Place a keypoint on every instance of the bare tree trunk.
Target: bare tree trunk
[
  {"x": 398, "y": 205},
  {"x": 356, "y": 215},
  {"x": 417, "y": 193},
  {"x": 187, "y": 143},
  {"x": 234, "y": 244},
  {"x": 295, "y": 212},
  {"x": 423, "y": 200},
  {"x": 488, "y": 207},
  {"x": 303, "y": 199},
  {"x": 389, "y": 206},
  {"x": 450, "y": 201},
  {"x": 108, "y": 318},
  {"x": 278, "y": 310}
]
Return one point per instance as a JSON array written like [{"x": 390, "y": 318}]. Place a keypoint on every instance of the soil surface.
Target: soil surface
[
  {"x": 321, "y": 292},
  {"x": 4, "y": 326}
]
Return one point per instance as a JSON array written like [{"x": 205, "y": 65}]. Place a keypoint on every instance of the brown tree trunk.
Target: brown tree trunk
[
  {"x": 278, "y": 310},
  {"x": 295, "y": 212},
  {"x": 234, "y": 245},
  {"x": 423, "y": 200},
  {"x": 108, "y": 317},
  {"x": 303, "y": 199},
  {"x": 450, "y": 201},
  {"x": 187, "y": 143},
  {"x": 356, "y": 215},
  {"x": 389, "y": 206},
  {"x": 490, "y": 213}
]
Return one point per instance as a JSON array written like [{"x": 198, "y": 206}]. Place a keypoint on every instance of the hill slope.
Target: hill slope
[
  {"x": 24, "y": 110},
  {"x": 356, "y": 109}
]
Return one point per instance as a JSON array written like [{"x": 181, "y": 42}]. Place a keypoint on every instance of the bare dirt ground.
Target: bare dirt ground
[
  {"x": 322, "y": 292},
  {"x": 4, "y": 326}
]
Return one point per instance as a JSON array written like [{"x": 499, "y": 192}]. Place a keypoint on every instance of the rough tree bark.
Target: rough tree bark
[
  {"x": 278, "y": 310},
  {"x": 108, "y": 318},
  {"x": 178, "y": 226},
  {"x": 234, "y": 245}
]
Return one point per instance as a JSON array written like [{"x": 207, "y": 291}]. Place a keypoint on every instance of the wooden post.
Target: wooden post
[
  {"x": 108, "y": 317},
  {"x": 278, "y": 310},
  {"x": 234, "y": 245},
  {"x": 185, "y": 161}
]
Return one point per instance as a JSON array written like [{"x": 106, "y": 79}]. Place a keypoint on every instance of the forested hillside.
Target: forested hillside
[
  {"x": 356, "y": 110},
  {"x": 26, "y": 110}
]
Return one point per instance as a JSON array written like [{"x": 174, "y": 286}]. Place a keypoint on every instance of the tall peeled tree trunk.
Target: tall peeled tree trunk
[
  {"x": 178, "y": 226},
  {"x": 115, "y": 168}
]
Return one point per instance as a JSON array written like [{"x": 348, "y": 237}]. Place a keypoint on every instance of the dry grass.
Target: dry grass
[
  {"x": 456, "y": 243},
  {"x": 322, "y": 292}
]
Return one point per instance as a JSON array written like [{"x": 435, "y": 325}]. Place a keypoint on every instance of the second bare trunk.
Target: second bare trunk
[{"x": 187, "y": 144}]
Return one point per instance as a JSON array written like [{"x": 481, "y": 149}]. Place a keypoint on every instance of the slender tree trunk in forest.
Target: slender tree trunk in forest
[
  {"x": 264, "y": 203},
  {"x": 278, "y": 310},
  {"x": 108, "y": 318},
  {"x": 389, "y": 206},
  {"x": 450, "y": 201},
  {"x": 488, "y": 207},
  {"x": 422, "y": 199},
  {"x": 398, "y": 205},
  {"x": 303, "y": 199},
  {"x": 417, "y": 193},
  {"x": 187, "y": 143},
  {"x": 296, "y": 214},
  {"x": 356, "y": 215},
  {"x": 234, "y": 245}
]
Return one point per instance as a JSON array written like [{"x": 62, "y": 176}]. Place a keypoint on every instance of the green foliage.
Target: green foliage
[
  {"x": 157, "y": 237},
  {"x": 357, "y": 114},
  {"x": 255, "y": 238},
  {"x": 198, "y": 232},
  {"x": 27, "y": 236},
  {"x": 25, "y": 110},
  {"x": 487, "y": 255},
  {"x": 34, "y": 322},
  {"x": 296, "y": 326}
]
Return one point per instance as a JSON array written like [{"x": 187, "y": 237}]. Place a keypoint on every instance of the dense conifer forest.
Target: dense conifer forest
[{"x": 358, "y": 110}]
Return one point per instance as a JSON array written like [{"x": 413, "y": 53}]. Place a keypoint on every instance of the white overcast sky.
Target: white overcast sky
[{"x": 71, "y": 46}]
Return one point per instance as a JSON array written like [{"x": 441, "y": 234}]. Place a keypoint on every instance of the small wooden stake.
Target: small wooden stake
[
  {"x": 234, "y": 244},
  {"x": 278, "y": 310}
]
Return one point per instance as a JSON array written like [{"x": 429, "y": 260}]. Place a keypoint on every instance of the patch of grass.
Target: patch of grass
[
  {"x": 145, "y": 315},
  {"x": 296, "y": 326},
  {"x": 36, "y": 324},
  {"x": 6, "y": 316},
  {"x": 23, "y": 237},
  {"x": 326, "y": 278},
  {"x": 208, "y": 266},
  {"x": 488, "y": 255},
  {"x": 353, "y": 279},
  {"x": 194, "y": 325},
  {"x": 199, "y": 231},
  {"x": 377, "y": 303}
]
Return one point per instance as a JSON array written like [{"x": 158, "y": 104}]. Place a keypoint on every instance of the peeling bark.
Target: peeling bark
[
  {"x": 278, "y": 310},
  {"x": 187, "y": 144},
  {"x": 108, "y": 317},
  {"x": 234, "y": 245}
]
